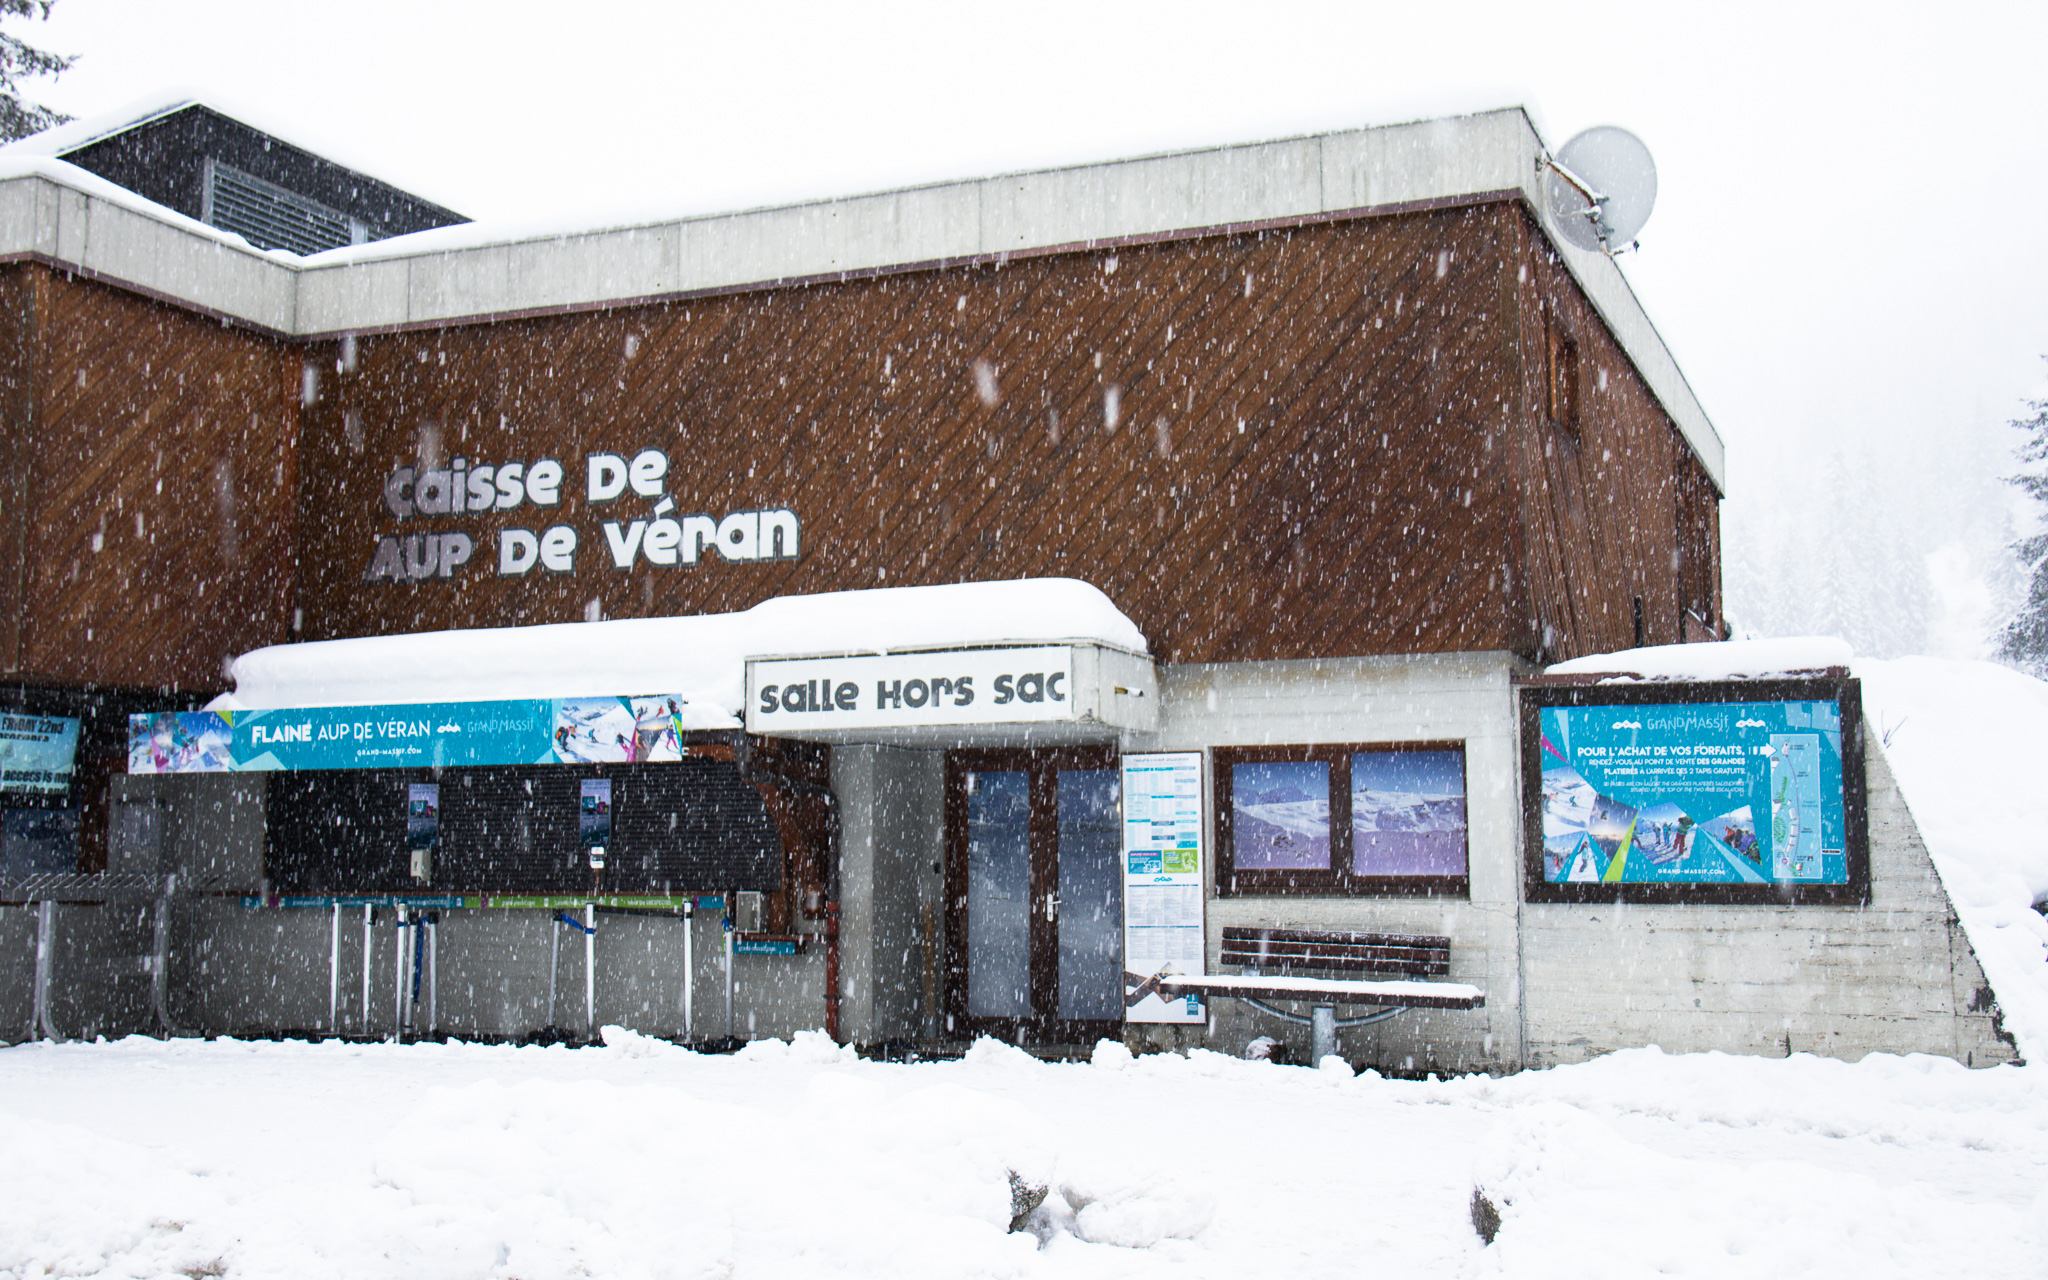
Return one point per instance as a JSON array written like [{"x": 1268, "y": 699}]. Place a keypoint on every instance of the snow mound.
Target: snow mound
[
  {"x": 1967, "y": 744},
  {"x": 1721, "y": 660},
  {"x": 631, "y": 1044},
  {"x": 1136, "y": 1208},
  {"x": 1573, "y": 1192},
  {"x": 804, "y": 1047}
]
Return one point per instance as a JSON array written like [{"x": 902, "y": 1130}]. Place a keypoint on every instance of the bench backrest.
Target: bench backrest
[{"x": 1271, "y": 949}]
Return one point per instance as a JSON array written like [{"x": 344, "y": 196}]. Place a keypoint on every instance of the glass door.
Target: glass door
[{"x": 1035, "y": 895}]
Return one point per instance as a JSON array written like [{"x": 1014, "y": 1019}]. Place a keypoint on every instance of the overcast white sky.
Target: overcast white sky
[{"x": 1848, "y": 255}]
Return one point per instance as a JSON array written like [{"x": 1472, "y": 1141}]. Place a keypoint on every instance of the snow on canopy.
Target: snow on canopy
[
  {"x": 702, "y": 658},
  {"x": 1718, "y": 660}
]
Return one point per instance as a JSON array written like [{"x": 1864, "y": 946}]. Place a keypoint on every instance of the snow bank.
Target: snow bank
[
  {"x": 1722, "y": 660},
  {"x": 703, "y": 658},
  {"x": 1968, "y": 742},
  {"x": 641, "y": 1159}
]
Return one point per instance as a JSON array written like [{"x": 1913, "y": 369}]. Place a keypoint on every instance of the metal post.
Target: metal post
[
  {"x": 725, "y": 926},
  {"x": 433, "y": 976},
  {"x": 368, "y": 912},
  {"x": 590, "y": 971},
  {"x": 1322, "y": 1033},
  {"x": 334, "y": 975},
  {"x": 689, "y": 969},
  {"x": 554, "y": 963},
  {"x": 160, "y": 960},
  {"x": 400, "y": 955},
  {"x": 46, "y": 959}
]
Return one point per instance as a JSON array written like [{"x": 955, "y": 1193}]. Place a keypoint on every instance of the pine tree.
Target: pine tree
[
  {"x": 2025, "y": 642},
  {"x": 19, "y": 61}
]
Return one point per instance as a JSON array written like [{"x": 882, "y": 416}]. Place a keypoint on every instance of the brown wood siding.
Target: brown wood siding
[
  {"x": 169, "y": 439},
  {"x": 1615, "y": 511},
  {"x": 1307, "y": 459}
]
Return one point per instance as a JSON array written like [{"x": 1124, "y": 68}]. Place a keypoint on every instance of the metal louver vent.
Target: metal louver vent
[{"x": 270, "y": 217}]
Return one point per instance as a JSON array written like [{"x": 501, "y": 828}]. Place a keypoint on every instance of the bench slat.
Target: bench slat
[
  {"x": 1336, "y": 949},
  {"x": 1338, "y": 935}
]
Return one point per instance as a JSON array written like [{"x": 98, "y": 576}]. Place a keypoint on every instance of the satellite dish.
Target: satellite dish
[{"x": 1601, "y": 187}]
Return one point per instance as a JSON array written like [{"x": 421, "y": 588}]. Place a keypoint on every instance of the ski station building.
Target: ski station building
[{"x": 1131, "y": 600}]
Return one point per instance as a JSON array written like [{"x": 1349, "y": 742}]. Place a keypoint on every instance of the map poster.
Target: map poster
[
  {"x": 1744, "y": 793},
  {"x": 1163, "y": 891}
]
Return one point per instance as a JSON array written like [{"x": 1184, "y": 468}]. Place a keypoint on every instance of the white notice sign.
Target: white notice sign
[{"x": 1162, "y": 882}]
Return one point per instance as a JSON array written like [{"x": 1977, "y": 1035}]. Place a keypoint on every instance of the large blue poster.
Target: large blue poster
[
  {"x": 542, "y": 731},
  {"x": 1694, "y": 793}
]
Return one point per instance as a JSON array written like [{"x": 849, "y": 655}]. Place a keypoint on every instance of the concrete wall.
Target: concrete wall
[
  {"x": 1896, "y": 976},
  {"x": 1568, "y": 982},
  {"x": 1460, "y": 696}
]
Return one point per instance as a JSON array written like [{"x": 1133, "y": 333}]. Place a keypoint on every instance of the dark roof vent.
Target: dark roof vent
[
  {"x": 270, "y": 217},
  {"x": 213, "y": 167}
]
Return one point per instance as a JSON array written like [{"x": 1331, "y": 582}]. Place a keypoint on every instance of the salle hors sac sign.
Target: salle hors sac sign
[
  {"x": 882, "y": 691},
  {"x": 661, "y": 536}
]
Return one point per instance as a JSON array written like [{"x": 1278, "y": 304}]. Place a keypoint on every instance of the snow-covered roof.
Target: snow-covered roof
[
  {"x": 1719, "y": 660},
  {"x": 702, "y": 657},
  {"x": 488, "y": 270}
]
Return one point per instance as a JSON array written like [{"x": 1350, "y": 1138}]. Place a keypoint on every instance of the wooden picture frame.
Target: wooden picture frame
[{"x": 1339, "y": 878}]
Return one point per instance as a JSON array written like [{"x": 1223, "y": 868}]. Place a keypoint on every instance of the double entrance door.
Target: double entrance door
[{"x": 1035, "y": 895}]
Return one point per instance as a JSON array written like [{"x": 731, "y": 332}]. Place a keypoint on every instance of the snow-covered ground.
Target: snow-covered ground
[{"x": 639, "y": 1159}]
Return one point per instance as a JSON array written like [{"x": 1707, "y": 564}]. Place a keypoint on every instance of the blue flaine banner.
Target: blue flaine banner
[
  {"x": 1694, "y": 793},
  {"x": 543, "y": 731},
  {"x": 37, "y": 752}
]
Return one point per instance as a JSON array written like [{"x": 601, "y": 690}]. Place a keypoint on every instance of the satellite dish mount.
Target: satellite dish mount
[{"x": 1600, "y": 188}]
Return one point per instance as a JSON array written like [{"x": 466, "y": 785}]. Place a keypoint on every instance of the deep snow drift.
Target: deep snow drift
[{"x": 641, "y": 1159}]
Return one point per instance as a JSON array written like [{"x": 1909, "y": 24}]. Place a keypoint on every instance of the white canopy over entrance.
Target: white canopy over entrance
[{"x": 703, "y": 658}]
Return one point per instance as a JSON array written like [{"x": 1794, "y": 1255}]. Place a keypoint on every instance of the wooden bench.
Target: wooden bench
[{"x": 1267, "y": 959}]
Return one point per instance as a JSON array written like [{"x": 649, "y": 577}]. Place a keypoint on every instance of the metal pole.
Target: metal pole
[
  {"x": 46, "y": 959},
  {"x": 590, "y": 971},
  {"x": 368, "y": 912},
  {"x": 1322, "y": 1034},
  {"x": 160, "y": 959},
  {"x": 400, "y": 954},
  {"x": 433, "y": 976},
  {"x": 689, "y": 969},
  {"x": 334, "y": 975},
  {"x": 725, "y": 926},
  {"x": 554, "y": 963}
]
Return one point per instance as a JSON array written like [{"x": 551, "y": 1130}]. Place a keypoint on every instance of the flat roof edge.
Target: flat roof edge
[{"x": 60, "y": 215}]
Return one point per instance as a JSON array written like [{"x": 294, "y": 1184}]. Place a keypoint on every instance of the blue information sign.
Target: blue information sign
[
  {"x": 1694, "y": 793},
  {"x": 539, "y": 731}
]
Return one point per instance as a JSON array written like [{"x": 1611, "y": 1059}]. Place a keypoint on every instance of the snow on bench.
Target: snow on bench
[
  {"x": 1406, "y": 995},
  {"x": 1257, "y": 950}
]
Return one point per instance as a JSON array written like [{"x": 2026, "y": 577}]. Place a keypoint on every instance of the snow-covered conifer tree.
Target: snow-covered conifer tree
[{"x": 19, "y": 61}]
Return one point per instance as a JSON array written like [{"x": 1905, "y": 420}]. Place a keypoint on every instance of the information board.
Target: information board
[
  {"x": 1721, "y": 787},
  {"x": 37, "y": 752},
  {"x": 1162, "y": 850}
]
